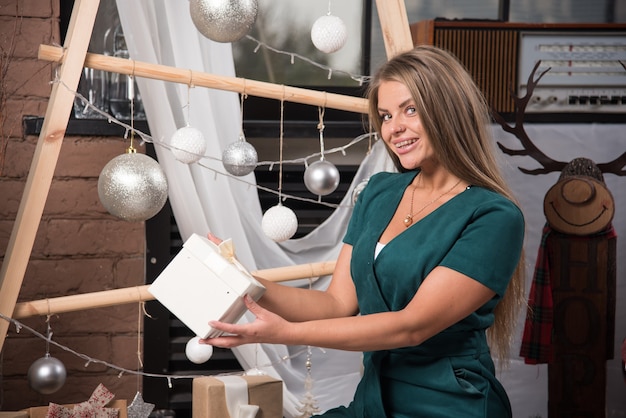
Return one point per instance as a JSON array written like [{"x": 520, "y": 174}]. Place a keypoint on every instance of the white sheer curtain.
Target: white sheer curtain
[{"x": 161, "y": 31}]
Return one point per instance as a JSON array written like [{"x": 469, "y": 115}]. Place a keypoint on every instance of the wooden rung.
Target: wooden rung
[
  {"x": 198, "y": 78},
  {"x": 135, "y": 294}
]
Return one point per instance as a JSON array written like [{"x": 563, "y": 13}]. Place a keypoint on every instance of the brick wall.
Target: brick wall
[{"x": 79, "y": 247}]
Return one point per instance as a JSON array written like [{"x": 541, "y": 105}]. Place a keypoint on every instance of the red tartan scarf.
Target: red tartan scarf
[{"x": 537, "y": 338}]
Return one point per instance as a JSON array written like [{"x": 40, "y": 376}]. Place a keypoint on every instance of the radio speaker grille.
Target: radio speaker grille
[{"x": 490, "y": 57}]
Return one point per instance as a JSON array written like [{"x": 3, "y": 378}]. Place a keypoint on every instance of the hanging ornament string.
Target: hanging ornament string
[
  {"x": 47, "y": 374},
  {"x": 131, "y": 85},
  {"x": 408, "y": 220},
  {"x": 322, "y": 177},
  {"x": 320, "y": 127},
  {"x": 139, "y": 327},
  {"x": 279, "y": 223},
  {"x": 308, "y": 405},
  {"x": 48, "y": 331},
  {"x": 187, "y": 143},
  {"x": 189, "y": 87},
  {"x": 240, "y": 158},
  {"x": 280, "y": 146},
  {"x": 244, "y": 96}
]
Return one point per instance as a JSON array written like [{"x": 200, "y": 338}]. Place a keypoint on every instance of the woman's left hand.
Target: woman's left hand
[{"x": 266, "y": 328}]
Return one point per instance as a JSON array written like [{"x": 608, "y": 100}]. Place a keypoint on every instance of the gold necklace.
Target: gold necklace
[{"x": 408, "y": 220}]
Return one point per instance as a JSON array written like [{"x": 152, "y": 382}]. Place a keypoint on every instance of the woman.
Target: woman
[{"x": 430, "y": 261}]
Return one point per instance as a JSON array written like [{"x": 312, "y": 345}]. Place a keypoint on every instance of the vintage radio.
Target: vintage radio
[{"x": 586, "y": 62}]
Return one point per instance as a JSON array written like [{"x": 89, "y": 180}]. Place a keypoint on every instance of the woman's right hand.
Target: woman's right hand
[{"x": 266, "y": 328}]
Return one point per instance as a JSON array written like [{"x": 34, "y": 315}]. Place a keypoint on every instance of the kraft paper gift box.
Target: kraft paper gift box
[
  {"x": 237, "y": 397},
  {"x": 205, "y": 282}
]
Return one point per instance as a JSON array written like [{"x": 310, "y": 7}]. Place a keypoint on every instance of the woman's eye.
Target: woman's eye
[
  {"x": 385, "y": 117},
  {"x": 411, "y": 110}
]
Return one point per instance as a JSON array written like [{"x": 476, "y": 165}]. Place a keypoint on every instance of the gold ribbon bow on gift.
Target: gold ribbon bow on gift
[{"x": 226, "y": 249}]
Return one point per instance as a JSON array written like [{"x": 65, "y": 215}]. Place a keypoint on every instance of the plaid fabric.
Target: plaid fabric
[
  {"x": 537, "y": 338},
  {"x": 536, "y": 345}
]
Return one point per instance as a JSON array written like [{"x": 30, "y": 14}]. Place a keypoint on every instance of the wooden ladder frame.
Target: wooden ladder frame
[{"x": 73, "y": 58}]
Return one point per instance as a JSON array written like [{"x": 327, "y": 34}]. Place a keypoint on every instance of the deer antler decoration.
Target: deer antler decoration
[{"x": 548, "y": 164}]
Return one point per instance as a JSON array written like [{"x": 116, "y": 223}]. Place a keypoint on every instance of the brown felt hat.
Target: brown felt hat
[{"x": 579, "y": 205}]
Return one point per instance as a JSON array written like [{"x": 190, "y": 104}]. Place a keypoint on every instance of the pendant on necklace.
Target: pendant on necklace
[{"x": 408, "y": 220}]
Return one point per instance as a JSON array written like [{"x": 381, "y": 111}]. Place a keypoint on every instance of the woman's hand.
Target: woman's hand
[{"x": 266, "y": 328}]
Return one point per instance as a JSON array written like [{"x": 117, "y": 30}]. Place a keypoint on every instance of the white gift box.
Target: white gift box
[{"x": 205, "y": 282}]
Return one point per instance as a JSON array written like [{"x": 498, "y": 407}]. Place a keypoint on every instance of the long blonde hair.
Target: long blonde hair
[{"x": 456, "y": 118}]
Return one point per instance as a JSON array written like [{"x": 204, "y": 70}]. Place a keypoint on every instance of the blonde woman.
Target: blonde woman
[{"x": 430, "y": 262}]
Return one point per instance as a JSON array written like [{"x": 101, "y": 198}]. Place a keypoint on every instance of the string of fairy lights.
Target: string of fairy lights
[
  {"x": 361, "y": 79},
  {"x": 256, "y": 369},
  {"x": 147, "y": 138}
]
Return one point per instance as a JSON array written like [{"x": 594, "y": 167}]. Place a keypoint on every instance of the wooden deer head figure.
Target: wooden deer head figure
[{"x": 548, "y": 164}]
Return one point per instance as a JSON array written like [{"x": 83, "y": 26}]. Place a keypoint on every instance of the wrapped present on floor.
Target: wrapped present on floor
[
  {"x": 99, "y": 405},
  {"x": 116, "y": 408},
  {"x": 205, "y": 282},
  {"x": 237, "y": 397}
]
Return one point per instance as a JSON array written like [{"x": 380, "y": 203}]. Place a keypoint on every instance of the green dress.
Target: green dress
[{"x": 478, "y": 233}]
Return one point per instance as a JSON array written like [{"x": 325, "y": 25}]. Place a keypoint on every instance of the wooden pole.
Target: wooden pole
[
  {"x": 394, "y": 23},
  {"x": 198, "y": 78},
  {"x": 45, "y": 159},
  {"x": 140, "y": 293}
]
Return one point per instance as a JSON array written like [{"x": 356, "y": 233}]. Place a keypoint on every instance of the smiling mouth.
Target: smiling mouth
[
  {"x": 604, "y": 209},
  {"x": 405, "y": 143}
]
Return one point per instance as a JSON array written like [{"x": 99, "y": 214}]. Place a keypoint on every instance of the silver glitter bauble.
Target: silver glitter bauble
[
  {"x": 358, "y": 189},
  {"x": 279, "y": 223},
  {"x": 321, "y": 177},
  {"x": 132, "y": 187},
  {"x": 188, "y": 145},
  {"x": 223, "y": 20},
  {"x": 46, "y": 375},
  {"x": 329, "y": 34},
  {"x": 240, "y": 158}
]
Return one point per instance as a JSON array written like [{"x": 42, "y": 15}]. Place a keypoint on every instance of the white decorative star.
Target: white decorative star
[{"x": 138, "y": 408}]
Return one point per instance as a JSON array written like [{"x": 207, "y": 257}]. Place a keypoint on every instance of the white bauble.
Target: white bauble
[
  {"x": 321, "y": 177},
  {"x": 279, "y": 223},
  {"x": 188, "y": 145},
  {"x": 196, "y": 352},
  {"x": 240, "y": 158},
  {"x": 223, "y": 20},
  {"x": 132, "y": 187},
  {"x": 329, "y": 34}
]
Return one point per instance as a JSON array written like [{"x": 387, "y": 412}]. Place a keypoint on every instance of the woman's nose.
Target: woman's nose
[{"x": 397, "y": 127}]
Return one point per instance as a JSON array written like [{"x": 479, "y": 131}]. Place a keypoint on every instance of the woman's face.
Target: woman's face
[{"x": 402, "y": 128}]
